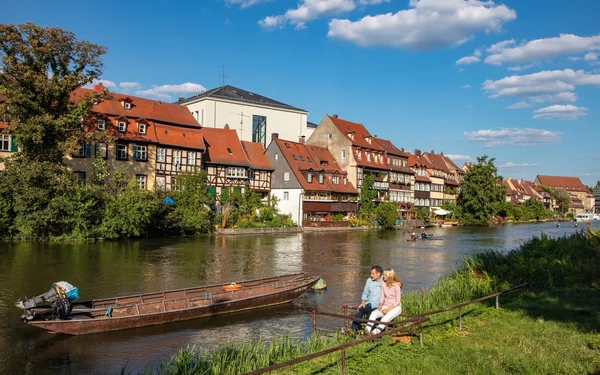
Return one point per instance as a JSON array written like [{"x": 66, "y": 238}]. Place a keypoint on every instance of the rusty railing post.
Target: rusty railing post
[
  {"x": 314, "y": 320},
  {"x": 343, "y": 362},
  {"x": 420, "y": 334},
  {"x": 460, "y": 319},
  {"x": 345, "y": 312},
  {"x": 497, "y": 302}
]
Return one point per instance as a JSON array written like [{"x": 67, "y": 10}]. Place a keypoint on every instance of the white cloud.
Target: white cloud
[
  {"x": 106, "y": 83},
  {"x": 244, "y": 3},
  {"x": 590, "y": 56},
  {"x": 560, "y": 112},
  {"x": 427, "y": 24},
  {"x": 513, "y": 136},
  {"x": 468, "y": 60},
  {"x": 541, "y": 49},
  {"x": 519, "y": 105},
  {"x": 511, "y": 165},
  {"x": 130, "y": 85},
  {"x": 309, "y": 10},
  {"x": 495, "y": 48},
  {"x": 459, "y": 158},
  {"x": 545, "y": 86},
  {"x": 466, "y": 86},
  {"x": 166, "y": 91},
  {"x": 518, "y": 68}
]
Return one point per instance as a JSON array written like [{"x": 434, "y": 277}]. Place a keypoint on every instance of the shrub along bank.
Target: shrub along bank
[{"x": 551, "y": 329}]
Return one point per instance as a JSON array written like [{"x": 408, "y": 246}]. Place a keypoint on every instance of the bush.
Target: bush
[
  {"x": 338, "y": 217},
  {"x": 386, "y": 215}
]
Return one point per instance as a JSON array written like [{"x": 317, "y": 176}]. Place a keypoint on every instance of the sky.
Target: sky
[{"x": 514, "y": 80}]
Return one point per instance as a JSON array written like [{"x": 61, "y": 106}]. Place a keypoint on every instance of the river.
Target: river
[{"x": 106, "y": 269}]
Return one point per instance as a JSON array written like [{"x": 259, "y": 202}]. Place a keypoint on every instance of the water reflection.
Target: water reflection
[{"x": 120, "y": 268}]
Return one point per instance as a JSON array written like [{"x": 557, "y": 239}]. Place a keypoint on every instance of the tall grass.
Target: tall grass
[{"x": 546, "y": 263}]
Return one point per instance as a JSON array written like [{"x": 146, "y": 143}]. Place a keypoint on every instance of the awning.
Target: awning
[{"x": 441, "y": 212}]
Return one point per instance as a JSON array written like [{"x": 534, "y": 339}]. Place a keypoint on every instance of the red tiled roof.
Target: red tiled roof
[
  {"x": 417, "y": 161},
  {"x": 218, "y": 144},
  {"x": 360, "y": 133},
  {"x": 450, "y": 182},
  {"x": 451, "y": 164},
  {"x": 302, "y": 158},
  {"x": 169, "y": 113},
  {"x": 179, "y": 137},
  {"x": 567, "y": 183},
  {"x": 422, "y": 179},
  {"x": 376, "y": 159},
  {"x": 437, "y": 161},
  {"x": 389, "y": 147},
  {"x": 256, "y": 155}
]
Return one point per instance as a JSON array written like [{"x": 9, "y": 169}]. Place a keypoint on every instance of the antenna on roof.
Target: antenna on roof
[{"x": 222, "y": 77}]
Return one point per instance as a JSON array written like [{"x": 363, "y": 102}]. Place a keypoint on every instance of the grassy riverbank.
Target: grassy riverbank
[{"x": 551, "y": 329}]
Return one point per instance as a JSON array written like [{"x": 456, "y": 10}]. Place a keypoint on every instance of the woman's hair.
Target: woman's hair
[{"x": 391, "y": 278}]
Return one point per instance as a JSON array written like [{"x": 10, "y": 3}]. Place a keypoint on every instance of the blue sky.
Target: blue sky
[{"x": 516, "y": 80}]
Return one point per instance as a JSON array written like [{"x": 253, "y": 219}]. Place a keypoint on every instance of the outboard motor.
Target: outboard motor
[{"x": 59, "y": 297}]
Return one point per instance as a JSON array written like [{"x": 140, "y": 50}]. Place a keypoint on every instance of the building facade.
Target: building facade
[
  {"x": 597, "y": 198},
  {"x": 254, "y": 117},
  {"x": 580, "y": 201}
]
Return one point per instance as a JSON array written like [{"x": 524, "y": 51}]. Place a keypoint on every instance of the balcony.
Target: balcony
[
  {"x": 381, "y": 185},
  {"x": 330, "y": 206}
]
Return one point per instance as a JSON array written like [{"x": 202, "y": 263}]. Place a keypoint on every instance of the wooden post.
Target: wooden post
[
  {"x": 345, "y": 312},
  {"x": 460, "y": 319},
  {"x": 421, "y": 334},
  {"x": 343, "y": 362}
]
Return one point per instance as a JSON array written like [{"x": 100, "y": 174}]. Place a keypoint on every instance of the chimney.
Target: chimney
[
  {"x": 181, "y": 98},
  {"x": 99, "y": 87},
  {"x": 226, "y": 126},
  {"x": 442, "y": 153},
  {"x": 335, "y": 116},
  {"x": 302, "y": 139},
  {"x": 274, "y": 136},
  {"x": 417, "y": 152},
  {"x": 402, "y": 149},
  {"x": 433, "y": 152}
]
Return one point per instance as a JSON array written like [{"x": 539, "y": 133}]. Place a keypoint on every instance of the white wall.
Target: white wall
[
  {"x": 216, "y": 113},
  {"x": 292, "y": 206}
]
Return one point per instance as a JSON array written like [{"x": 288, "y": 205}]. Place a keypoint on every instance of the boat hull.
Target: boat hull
[{"x": 78, "y": 324}]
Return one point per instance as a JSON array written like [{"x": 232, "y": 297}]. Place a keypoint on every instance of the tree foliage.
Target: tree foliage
[
  {"x": 563, "y": 199},
  {"x": 41, "y": 66},
  {"x": 386, "y": 214},
  {"x": 481, "y": 196},
  {"x": 367, "y": 197}
]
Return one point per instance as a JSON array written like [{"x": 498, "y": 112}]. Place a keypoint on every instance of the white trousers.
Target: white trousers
[{"x": 391, "y": 315}]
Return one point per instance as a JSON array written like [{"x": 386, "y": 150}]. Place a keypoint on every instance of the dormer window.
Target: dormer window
[
  {"x": 345, "y": 180},
  {"x": 127, "y": 105},
  {"x": 368, "y": 139},
  {"x": 335, "y": 180},
  {"x": 368, "y": 156},
  {"x": 122, "y": 126},
  {"x": 142, "y": 128},
  {"x": 321, "y": 178},
  {"x": 229, "y": 150},
  {"x": 309, "y": 177},
  {"x": 101, "y": 124}
]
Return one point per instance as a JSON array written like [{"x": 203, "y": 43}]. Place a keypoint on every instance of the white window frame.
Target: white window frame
[
  {"x": 127, "y": 105},
  {"x": 142, "y": 128},
  {"x": 5, "y": 140},
  {"x": 286, "y": 176},
  {"x": 191, "y": 157},
  {"x": 142, "y": 181},
  {"x": 335, "y": 180},
  {"x": 161, "y": 183},
  {"x": 176, "y": 158},
  {"x": 102, "y": 146},
  {"x": 101, "y": 124},
  {"x": 309, "y": 177},
  {"x": 343, "y": 154},
  {"x": 125, "y": 151},
  {"x": 286, "y": 195},
  {"x": 140, "y": 153},
  {"x": 330, "y": 136},
  {"x": 321, "y": 178},
  {"x": 122, "y": 126},
  {"x": 161, "y": 155},
  {"x": 236, "y": 172}
]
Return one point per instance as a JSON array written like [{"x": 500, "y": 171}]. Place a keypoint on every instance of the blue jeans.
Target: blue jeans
[{"x": 362, "y": 313}]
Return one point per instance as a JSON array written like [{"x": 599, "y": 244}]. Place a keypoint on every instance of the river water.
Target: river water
[{"x": 107, "y": 269}]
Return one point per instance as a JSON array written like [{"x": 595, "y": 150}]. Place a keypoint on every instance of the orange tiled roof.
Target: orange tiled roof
[
  {"x": 389, "y": 147},
  {"x": 567, "y": 183},
  {"x": 256, "y": 155},
  {"x": 303, "y": 158},
  {"x": 437, "y": 161},
  {"x": 370, "y": 158},
  {"x": 422, "y": 179},
  {"x": 360, "y": 133},
  {"x": 179, "y": 137},
  {"x": 224, "y": 147},
  {"x": 418, "y": 161}
]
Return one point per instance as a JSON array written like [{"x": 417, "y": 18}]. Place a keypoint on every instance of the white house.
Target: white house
[{"x": 253, "y": 116}]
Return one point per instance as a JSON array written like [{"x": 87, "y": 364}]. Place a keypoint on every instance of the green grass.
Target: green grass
[{"x": 552, "y": 330}]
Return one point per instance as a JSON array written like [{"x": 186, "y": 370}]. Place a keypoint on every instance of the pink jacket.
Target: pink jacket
[{"x": 390, "y": 297}]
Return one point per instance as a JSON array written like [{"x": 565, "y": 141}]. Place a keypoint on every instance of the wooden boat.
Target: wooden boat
[{"x": 141, "y": 310}]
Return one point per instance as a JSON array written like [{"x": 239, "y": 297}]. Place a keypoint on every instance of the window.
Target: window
[
  {"x": 191, "y": 158},
  {"x": 85, "y": 150},
  {"x": 161, "y": 155},
  {"x": 286, "y": 195},
  {"x": 121, "y": 152},
  {"x": 345, "y": 180},
  {"x": 177, "y": 158},
  {"x": 309, "y": 177},
  {"x": 142, "y": 128},
  {"x": 294, "y": 157},
  {"x": 343, "y": 154},
  {"x": 259, "y": 129},
  {"x": 4, "y": 142},
  {"x": 122, "y": 126},
  {"x": 161, "y": 183},
  {"x": 80, "y": 177},
  {"x": 286, "y": 176},
  {"x": 236, "y": 172},
  {"x": 276, "y": 156},
  {"x": 335, "y": 180},
  {"x": 141, "y": 181},
  {"x": 101, "y": 150},
  {"x": 127, "y": 105},
  {"x": 329, "y": 136},
  {"x": 301, "y": 157},
  {"x": 321, "y": 178},
  {"x": 359, "y": 155},
  {"x": 287, "y": 145},
  {"x": 309, "y": 159},
  {"x": 229, "y": 150},
  {"x": 368, "y": 156},
  {"x": 101, "y": 124},
  {"x": 140, "y": 153}
]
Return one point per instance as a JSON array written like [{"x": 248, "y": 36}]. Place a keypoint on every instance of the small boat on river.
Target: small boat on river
[{"x": 140, "y": 310}]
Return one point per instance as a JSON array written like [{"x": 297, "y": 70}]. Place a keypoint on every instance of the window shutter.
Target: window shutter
[
  {"x": 135, "y": 153},
  {"x": 88, "y": 150},
  {"x": 13, "y": 145}
]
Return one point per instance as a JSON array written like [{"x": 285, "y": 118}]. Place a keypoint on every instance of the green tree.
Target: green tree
[
  {"x": 192, "y": 210},
  {"x": 367, "y": 197},
  {"x": 563, "y": 199},
  {"x": 386, "y": 214},
  {"x": 41, "y": 66},
  {"x": 481, "y": 196}
]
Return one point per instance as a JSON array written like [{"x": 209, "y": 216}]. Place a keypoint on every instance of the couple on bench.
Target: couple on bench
[{"x": 380, "y": 300}]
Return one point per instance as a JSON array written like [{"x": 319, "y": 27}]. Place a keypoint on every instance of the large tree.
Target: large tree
[
  {"x": 41, "y": 66},
  {"x": 367, "y": 197},
  {"x": 481, "y": 196},
  {"x": 563, "y": 199}
]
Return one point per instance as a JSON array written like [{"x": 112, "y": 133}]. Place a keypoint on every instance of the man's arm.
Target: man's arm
[{"x": 365, "y": 294}]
